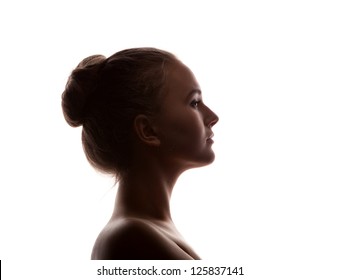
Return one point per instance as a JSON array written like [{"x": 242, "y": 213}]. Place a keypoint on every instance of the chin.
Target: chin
[
  {"x": 206, "y": 160},
  {"x": 211, "y": 160}
]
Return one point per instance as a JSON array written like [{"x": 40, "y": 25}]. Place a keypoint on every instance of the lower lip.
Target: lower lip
[{"x": 210, "y": 140}]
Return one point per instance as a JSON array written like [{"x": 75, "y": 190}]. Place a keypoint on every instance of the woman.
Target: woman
[{"x": 144, "y": 121}]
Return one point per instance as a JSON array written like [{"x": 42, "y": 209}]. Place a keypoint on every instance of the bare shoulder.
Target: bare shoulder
[{"x": 135, "y": 239}]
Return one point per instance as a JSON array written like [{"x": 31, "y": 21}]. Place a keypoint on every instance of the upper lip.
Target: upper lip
[{"x": 211, "y": 136}]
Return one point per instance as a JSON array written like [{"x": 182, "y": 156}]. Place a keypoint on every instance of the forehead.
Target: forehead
[{"x": 180, "y": 80}]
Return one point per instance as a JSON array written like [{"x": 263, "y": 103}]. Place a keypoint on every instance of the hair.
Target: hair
[{"x": 104, "y": 95}]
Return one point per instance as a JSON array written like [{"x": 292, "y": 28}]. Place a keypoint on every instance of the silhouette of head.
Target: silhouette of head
[{"x": 139, "y": 96}]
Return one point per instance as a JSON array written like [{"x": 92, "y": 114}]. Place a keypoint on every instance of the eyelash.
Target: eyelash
[{"x": 195, "y": 103}]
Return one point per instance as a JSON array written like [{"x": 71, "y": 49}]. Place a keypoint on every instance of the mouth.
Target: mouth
[{"x": 209, "y": 139}]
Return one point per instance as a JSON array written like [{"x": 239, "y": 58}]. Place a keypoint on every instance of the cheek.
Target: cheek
[{"x": 185, "y": 131}]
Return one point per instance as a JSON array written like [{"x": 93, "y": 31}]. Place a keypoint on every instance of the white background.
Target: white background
[{"x": 269, "y": 69}]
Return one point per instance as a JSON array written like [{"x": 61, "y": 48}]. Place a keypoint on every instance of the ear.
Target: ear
[{"x": 145, "y": 131}]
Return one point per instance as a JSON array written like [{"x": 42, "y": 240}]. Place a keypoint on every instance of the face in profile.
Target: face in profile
[{"x": 185, "y": 122}]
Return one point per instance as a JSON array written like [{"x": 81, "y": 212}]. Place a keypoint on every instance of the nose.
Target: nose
[{"x": 211, "y": 118}]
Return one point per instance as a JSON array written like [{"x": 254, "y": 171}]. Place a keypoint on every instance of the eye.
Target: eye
[{"x": 195, "y": 103}]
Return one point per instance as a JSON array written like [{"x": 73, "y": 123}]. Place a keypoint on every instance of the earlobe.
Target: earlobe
[{"x": 145, "y": 131}]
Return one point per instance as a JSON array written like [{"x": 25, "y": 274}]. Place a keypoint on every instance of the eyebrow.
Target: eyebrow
[{"x": 194, "y": 91}]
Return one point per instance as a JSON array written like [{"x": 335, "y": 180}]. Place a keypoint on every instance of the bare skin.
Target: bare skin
[{"x": 179, "y": 138}]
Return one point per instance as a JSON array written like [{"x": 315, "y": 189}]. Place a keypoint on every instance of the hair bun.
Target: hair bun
[{"x": 79, "y": 87}]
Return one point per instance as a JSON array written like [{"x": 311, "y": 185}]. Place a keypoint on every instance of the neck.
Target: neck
[{"x": 146, "y": 193}]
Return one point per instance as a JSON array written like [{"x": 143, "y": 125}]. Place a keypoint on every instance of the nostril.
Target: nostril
[{"x": 213, "y": 122}]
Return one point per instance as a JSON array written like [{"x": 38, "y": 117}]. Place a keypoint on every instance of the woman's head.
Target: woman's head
[{"x": 105, "y": 95}]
